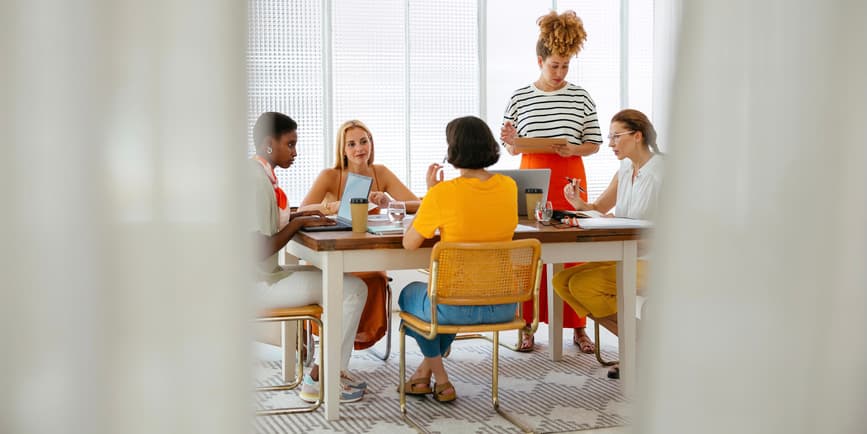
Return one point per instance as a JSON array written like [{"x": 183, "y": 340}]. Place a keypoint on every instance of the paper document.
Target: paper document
[
  {"x": 613, "y": 223},
  {"x": 525, "y": 228}
]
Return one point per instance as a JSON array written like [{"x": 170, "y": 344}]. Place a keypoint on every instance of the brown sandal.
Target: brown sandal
[
  {"x": 411, "y": 389},
  {"x": 584, "y": 343},
  {"x": 528, "y": 342},
  {"x": 440, "y": 394}
]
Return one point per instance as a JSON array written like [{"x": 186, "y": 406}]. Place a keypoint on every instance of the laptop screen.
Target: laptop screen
[
  {"x": 356, "y": 186},
  {"x": 528, "y": 178}
]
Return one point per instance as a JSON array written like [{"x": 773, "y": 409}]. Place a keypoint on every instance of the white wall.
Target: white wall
[{"x": 511, "y": 58}]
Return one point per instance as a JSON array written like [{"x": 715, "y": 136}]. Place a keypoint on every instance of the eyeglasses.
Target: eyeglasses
[{"x": 615, "y": 138}]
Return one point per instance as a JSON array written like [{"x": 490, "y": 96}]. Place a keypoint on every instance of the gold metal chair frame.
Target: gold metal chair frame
[
  {"x": 304, "y": 313},
  {"x": 598, "y": 346},
  {"x": 530, "y": 290}
]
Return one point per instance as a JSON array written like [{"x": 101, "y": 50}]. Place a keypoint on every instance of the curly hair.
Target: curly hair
[{"x": 561, "y": 35}]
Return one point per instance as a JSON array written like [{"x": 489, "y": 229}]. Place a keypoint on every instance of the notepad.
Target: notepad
[
  {"x": 537, "y": 145},
  {"x": 613, "y": 223},
  {"x": 580, "y": 214}
]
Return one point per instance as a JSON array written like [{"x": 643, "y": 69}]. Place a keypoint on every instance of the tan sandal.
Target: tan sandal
[
  {"x": 440, "y": 394},
  {"x": 527, "y": 343},
  {"x": 411, "y": 389}
]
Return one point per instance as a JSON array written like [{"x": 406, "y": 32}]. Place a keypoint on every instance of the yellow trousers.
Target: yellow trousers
[{"x": 591, "y": 288}]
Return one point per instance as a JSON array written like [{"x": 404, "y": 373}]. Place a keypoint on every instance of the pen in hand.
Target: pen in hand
[{"x": 576, "y": 182}]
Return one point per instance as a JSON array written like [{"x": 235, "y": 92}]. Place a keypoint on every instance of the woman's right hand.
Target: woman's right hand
[
  {"x": 434, "y": 175},
  {"x": 573, "y": 197},
  {"x": 508, "y": 133},
  {"x": 312, "y": 220}
]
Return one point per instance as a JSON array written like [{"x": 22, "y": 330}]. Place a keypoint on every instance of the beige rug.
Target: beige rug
[{"x": 570, "y": 395}]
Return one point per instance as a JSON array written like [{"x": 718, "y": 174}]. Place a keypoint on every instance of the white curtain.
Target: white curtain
[
  {"x": 756, "y": 320},
  {"x": 123, "y": 128}
]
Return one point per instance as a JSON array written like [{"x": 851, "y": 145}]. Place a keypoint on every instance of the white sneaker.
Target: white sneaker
[{"x": 309, "y": 391}]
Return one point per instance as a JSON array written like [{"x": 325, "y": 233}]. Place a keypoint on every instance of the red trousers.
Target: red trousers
[{"x": 571, "y": 319}]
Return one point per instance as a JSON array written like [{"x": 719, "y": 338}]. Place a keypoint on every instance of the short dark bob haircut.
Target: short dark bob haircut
[{"x": 471, "y": 144}]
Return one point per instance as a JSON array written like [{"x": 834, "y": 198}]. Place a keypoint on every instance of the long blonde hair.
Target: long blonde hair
[{"x": 340, "y": 161}]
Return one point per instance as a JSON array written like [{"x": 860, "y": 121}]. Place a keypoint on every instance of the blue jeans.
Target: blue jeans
[{"x": 414, "y": 300}]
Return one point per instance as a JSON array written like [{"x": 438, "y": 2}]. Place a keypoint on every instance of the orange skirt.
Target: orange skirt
[{"x": 561, "y": 167}]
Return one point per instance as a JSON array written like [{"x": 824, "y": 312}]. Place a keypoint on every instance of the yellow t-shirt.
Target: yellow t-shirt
[{"x": 470, "y": 210}]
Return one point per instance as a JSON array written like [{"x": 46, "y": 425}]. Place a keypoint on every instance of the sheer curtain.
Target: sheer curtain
[
  {"x": 757, "y": 315},
  {"x": 123, "y": 128}
]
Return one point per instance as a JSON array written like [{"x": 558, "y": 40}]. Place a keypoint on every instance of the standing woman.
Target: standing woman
[
  {"x": 591, "y": 289},
  {"x": 553, "y": 107}
]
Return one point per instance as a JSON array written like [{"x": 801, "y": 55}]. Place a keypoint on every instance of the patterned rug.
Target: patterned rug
[{"x": 571, "y": 395}]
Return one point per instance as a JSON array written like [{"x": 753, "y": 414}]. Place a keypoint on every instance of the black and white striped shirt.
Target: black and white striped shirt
[{"x": 568, "y": 112}]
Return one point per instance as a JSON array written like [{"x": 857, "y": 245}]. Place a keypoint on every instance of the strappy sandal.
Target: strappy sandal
[
  {"x": 411, "y": 389},
  {"x": 528, "y": 342},
  {"x": 584, "y": 343},
  {"x": 440, "y": 394}
]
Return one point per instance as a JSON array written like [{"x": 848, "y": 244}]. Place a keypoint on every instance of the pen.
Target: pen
[{"x": 576, "y": 182}]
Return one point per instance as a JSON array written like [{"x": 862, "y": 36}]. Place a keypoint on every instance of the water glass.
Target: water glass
[
  {"x": 396, "y": 211},
  {"x": 544, "y": 211}
]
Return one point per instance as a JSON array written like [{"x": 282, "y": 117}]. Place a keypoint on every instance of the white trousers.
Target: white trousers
[{"x": 305, "y": 287}]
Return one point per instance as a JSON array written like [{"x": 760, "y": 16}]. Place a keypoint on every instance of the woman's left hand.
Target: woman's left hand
[
  {"x": 380, "y": 198},
  {"x": 306, "y": 213}
]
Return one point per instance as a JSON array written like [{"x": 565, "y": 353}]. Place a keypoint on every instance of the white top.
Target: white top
[{"x": 638, "y": 200}]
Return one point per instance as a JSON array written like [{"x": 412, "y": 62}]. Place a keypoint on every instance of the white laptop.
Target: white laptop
[
  {"x": 356, "y": 186},
  {"x": 528, "y": 178}
]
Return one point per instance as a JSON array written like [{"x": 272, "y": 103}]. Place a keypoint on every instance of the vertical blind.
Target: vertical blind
[
  {"x": 598, "y": 69},
  {"x": 402, "y": 67},
  {"x": 407, "y": 67}
]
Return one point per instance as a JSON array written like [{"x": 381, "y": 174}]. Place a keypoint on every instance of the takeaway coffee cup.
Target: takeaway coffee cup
[
  {"x": 358, "y": 206},
  {"x": 534, "y": 195}
]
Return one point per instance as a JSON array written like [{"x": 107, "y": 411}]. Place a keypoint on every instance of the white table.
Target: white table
[{"x": 336, "y": 253}]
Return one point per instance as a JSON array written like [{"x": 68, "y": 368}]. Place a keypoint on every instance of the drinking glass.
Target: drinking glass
[
  {"x": 396, "y": 211},
  {"x": 544, "y": 211}
]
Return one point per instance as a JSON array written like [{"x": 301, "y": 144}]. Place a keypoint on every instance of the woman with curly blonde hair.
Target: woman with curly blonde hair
[{"x": 552, "y": 107}]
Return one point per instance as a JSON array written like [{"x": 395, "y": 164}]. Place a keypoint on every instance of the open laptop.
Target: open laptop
[
  {"x": 356, "y": 186},
  {"x": 528, "y": 178}
]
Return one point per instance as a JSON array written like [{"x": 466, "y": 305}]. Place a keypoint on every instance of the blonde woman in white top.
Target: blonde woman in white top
[{"x": 591, "y": 288}]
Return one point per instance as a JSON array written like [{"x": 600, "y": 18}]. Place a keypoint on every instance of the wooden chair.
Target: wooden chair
[
  {"x": 472, "y": 274},
  {"x": 313, "y": 313}
]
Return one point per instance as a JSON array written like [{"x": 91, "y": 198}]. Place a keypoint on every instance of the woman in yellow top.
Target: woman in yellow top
[
  {"x": 461, "y": 209},
  {"x": 354, "y": 153}
]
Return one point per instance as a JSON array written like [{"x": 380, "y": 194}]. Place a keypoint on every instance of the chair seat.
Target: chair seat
[
  {"x": 313, "y": 310},
  {"x": 424, "y": 327}
]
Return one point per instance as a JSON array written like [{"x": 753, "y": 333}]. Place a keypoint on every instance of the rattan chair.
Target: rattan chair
[
  {"x": 471, "y": 274},
  {"x": 304, "y": 313}
]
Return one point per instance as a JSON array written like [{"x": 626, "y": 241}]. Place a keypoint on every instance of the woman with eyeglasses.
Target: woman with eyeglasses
[
  {"x": 591, "y": 289},
  {"x": 552, "y": 107}
]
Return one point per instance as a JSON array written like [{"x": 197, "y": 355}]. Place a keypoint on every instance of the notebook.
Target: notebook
[
  {"x": 356, "y": 186},
  {"x": 528, "y": 178}
]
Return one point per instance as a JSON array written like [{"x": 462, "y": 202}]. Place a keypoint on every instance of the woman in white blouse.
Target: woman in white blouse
[{"x": 591, "y": 289}]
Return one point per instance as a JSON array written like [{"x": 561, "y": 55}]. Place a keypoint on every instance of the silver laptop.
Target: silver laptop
[
  {"x": 528, "y": 178},
  {"x": 356, "y": 186}
]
